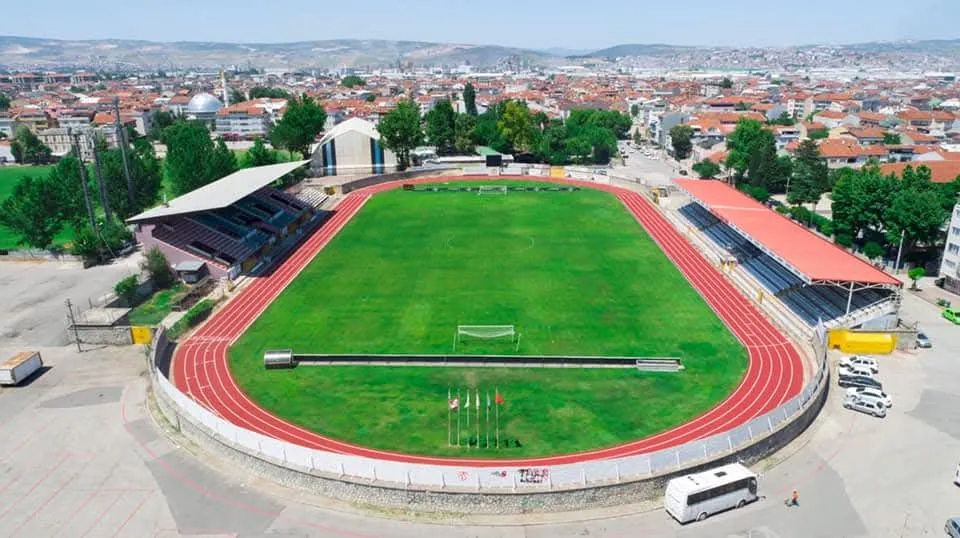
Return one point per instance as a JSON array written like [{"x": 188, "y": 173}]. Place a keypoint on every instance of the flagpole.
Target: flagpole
[
  {"x": 498, "y": 419},
  {"x": 488, "y": 418},
  {"x": 477, "y": 405},
  {"x": 449, "y": 412},
  {"x": 458, "y": 417}
]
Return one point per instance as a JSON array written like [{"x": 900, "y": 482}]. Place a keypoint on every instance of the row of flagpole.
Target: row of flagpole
[{"x": 453, "y": 404}]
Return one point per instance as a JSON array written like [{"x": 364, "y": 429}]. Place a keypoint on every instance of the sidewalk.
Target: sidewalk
[{"x": 928, "y": 290}]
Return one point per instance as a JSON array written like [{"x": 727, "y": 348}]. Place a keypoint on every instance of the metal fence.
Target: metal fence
[{"x": 491, "y": 479}]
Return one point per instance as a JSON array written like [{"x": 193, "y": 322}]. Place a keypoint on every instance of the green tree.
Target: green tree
[
  {"x": 811, "y": 177},
  {"x": 4, "y": 102},
  {"x": 783, "y": 119},
  {"x": 237, "y": 96},
  {"x": 892, "y": 139},
  {"x": 637, "y": 137},
  {"x": 33, "y": 211},
  {"x": 370, "y": 98},
  {"x": 470, "y": 99},
  {"x": 517, "y": 126},
  {"x": 222, "y": 161},
  {"x": 553, "y": 144},
  {"x": 442, "y": 127},
  {"x": 352, "y": 81},
  {"x": 634, "y": 110},
  {"x": 681, "y": 138},
  {"x": 66, "y": 180},
  {"x": 127, "y": 289},
  {"x": 464, "y": 127},
  {"x": 189, "y": 148},
  {"x": 160, "y": 120},
  {"x": 146, "y": 174},
  {"x": 300, "y": 125},
  {"x": 916, "y": 214},
  {"x": 259, "y": 155},
  {"x": 400, "y": 131},
  {"x": 916, "y": 274},
  {"x": 157, "y": 267},
  {"x": 726, "y": 83},
  {"x": 707, "y": 169},
  {"x": 873, "y": 250},
  {"x": 31, "y": 149},
  {"x": 818, "y": 134},
  {"x": 271, "y": 93}
]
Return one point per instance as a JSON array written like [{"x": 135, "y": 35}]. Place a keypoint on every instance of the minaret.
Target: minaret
[{"x": 226, "y": 91}]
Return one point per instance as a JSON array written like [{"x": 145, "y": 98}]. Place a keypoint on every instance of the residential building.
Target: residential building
[
  {"x": 245, "y": 121},
  {"x": 950, "y": 263}
]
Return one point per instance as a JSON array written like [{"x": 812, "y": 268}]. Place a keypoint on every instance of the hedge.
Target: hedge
[
  {"x": 810, "y": 219},
  {"x": 195, "y": 315}
]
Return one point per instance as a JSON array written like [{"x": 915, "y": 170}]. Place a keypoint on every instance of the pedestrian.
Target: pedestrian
[{"x": 795, "y": 499}]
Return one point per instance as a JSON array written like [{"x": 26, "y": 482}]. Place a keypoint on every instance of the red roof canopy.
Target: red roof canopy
[{"x": 803, "y": 250}]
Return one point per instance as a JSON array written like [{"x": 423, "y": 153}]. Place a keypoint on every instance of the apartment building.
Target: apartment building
[{"x": 950, "y": 263}]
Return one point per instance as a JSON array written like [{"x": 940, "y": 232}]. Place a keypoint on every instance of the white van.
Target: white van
[{"x": 697, "y": 496}]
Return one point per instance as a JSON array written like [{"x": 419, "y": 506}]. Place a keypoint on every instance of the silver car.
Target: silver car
[{"x": 864, "y": 405}]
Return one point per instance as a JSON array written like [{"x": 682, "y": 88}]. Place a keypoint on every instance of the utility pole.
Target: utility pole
[
  {"x": 122, "y": 142},
  {"x": 84, "y": 183},
  {"x": 98, "y": 169},
  {"x": 73, "y": 323},
  {"x": 896, "y": 267}
]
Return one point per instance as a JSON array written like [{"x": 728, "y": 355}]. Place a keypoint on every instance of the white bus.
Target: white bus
[{"x": 697, "y": 496}]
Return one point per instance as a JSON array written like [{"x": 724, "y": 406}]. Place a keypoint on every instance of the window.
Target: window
[
  {"x": 953, "y": 248},
  {"x": 949, "y": 263},
  {"x": 955, "y": 230}
]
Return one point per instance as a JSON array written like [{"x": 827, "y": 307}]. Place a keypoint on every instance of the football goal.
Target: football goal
[
  {"x": 486, "y": 332},
  {"x": 492, "y": 189}
]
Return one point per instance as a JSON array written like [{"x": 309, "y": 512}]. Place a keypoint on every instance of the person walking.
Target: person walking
[{"x": 795, "y": 499}]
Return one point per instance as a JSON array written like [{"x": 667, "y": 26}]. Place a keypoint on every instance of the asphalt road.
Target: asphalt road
[{"x": 81, "y": 456}]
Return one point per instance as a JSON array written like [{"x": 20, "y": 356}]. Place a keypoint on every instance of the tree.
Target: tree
[
  {"x": 222, "y": 161},
  {"x": 470, "y": 99},
  {"x": 370, "y": 98},
  {"x": 128, "y": 289},
  {"x": 892, "y": 139},
  {"x": 441, "y": 127},
  {"x": 707, "y": 169},
  {"x": 68, "y": 191},
  {"x": 783, "y": 119},
  {"x": 157, "y": 268},
  {"x": 33, "y": 211},
  {"x": 236, "y": 96},
  {"x": 160, "y": 120},
  {"x": 400, "y": 131},
  {"x": 146, "y": 174},
  {"x": 873, "y": 250},
  {"x": 811, "y": 177},
  {"x": 31, "y": 149},
  {"x": 680, "y": 138},
  {"x": 463, "y": 142},
  {"x": 634, "y": 110},
  {"x": 917, "y": 215},
  {"x": 517, "y": 126},
  {"x": 271, "y": 93},
  {"x": 637, "y": 137},
  {"x": 189, "y": 147},
  {"x": 301, "y": 123},
  {"x": 259, "y": 155},
  {"x": 726, "y": 83},
  {"x": 352, "y": 81},
  {"x": 553, "y": 144},
  {"x": 916, "y": 274},
  {"x": 4, "y": 102},
  {"x": 818, "y": 134}
]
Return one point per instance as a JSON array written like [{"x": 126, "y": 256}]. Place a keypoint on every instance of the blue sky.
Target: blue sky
[{"x": 525, "y": 23}]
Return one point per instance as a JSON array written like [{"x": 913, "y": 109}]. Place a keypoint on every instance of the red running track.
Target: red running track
[{"x": 774, "y": 372}]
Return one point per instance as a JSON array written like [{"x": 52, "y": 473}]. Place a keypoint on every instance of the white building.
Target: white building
[
  {"x": 352, "y": 148},
  {"x": 950, "y": 264},
  {"x": 250, "y": 119}
]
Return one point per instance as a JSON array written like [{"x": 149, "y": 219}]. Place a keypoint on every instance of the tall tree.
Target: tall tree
[
  {"x": 680, "y": 139},
  {"x": 726, "y": 83},
  {"x": 146, "y": 174},
  {"x": 352, "y": 81},
  {"x": 272, "y": 93},
  {"x": 32, "y": 211},
  {"x": 4, "y": 102},
  {"x": 222, "y": 161},
  {"x": 68, "y": 186},
  {"x": 634, "y": 110},
  {"x": 32, "y": 150},
  {"x": 441, "y": 127},
  {"x": 400, "y": 131},
  {"x": 300, "y": 125},
  {"x": 236, "y": 96},
  {"x": 189, "y": 148},
  {"x": 259, "y": 155},
  {"x": 159, "y": 120},
  {"x": 707, "y": 169},
  {"x": 917, "y": 214},
  {"x": 464, "y": 127},
  {"x": 470, "y": 99},
  {"x": 517, "y": 126},
  {"x": 811, "y": 177}
]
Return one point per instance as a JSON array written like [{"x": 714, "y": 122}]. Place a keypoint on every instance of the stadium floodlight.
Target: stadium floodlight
[
  {"x": 487, "y": 332},
  {"x": 492, "y": 189}
]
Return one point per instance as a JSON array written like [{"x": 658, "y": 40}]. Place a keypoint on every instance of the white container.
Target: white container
[{"x": 19, "y": 367}]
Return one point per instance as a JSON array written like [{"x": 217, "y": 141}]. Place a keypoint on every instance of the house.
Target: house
[
  {"x": 867, "y": 136},
  {"x": 845, "y": 152},
  {"x": 913, "y": 138},
  {"x": 940, "y": 171},
  {"x": 785, "y": 134},
  {"x": 832, "y": 119}
]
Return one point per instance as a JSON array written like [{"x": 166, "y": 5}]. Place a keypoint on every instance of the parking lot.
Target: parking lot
[{"x": 80, "y": 455}]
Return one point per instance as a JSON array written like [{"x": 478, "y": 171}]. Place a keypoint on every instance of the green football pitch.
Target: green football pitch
[{"x": 572, "y": 271}]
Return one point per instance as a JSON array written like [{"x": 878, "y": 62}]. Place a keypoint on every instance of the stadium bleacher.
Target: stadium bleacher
[{"x": 810, "y": 302}]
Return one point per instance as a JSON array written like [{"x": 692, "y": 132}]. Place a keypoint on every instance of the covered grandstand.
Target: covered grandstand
[
  {"x": 813, "y": 277},
  {"x": 235, "y": 225}
]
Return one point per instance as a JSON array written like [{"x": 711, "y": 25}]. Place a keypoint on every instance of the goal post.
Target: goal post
[
  {"x": 486, "y": 332},
  {"x": 492, "y": 189}
]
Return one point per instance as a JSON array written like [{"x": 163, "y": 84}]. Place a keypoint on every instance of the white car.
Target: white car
[
  {"x": 856, "y": 370},
  {"x": 871, "y": 394},
  {"x": 870, "y": 407},
  {"x": 864, "y": 362}
]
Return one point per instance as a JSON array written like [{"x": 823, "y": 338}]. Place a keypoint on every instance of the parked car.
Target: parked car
[
  {"x": 923, "y": 341},
  {"x": 953, "y": 527},
  {"x": 846, "y": 381},
  {"x": 872, "y": 394},
  {"x": 952, "y": 314},
  {"x": 856, "y": 370},
  {"x": 861, "y": 361},
  {"x": 870, "y": 407}
]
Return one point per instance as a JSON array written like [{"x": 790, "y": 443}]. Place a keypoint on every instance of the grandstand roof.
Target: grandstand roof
[
  {"x": 791, "y": 243},
  {"x": 221, "y": 193}
]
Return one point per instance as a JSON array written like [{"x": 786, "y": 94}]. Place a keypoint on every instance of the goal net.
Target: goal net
[
  {"x": 486, "y": 332},
  {"x": 492, "y": 189}
]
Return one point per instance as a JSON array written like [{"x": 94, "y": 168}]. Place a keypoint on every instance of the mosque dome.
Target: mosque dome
[{"x": 204, "y": 103}]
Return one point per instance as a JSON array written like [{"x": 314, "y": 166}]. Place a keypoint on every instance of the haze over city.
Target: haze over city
[{"x": 533, "y": 24}]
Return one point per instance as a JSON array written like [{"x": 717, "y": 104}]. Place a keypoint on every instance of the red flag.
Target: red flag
[
  {"x": 454, "y": 403},
  {"x": 498, "y": 398}
]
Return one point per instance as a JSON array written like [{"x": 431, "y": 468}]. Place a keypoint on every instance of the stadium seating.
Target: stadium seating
[
  {"x": 210, "y": 242},
  {"x": 809, "y": 302}
]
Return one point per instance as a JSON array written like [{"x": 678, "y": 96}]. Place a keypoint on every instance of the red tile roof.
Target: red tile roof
[{"x": 940, "y": 171}]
